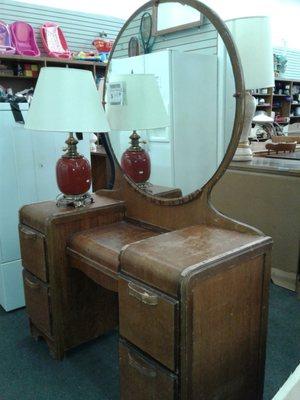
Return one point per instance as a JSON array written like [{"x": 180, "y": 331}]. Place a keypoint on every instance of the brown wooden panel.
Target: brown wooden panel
[
  {"x": 37, "y": 302},
  {"x": 141, "y": 379},
  {"x": 40, "y": 215},
  {"x": 104, "y": 243},
  {"x": 161, "y": 260},
  {"x": 33, "y": 252},
  {"x": 100, "y": 169},
  {"x": 103, "y": 276},
  {"x": 80, "y": 309},
  {"x": 148, "y": 320},
  {"x": 226, "y": 332},
  {"x": 95, "y": 306}
]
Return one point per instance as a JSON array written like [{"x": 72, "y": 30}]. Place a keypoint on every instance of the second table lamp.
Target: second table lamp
[
  {"x": 252, "y": 36},
  {"x": 134, "y": 103}
]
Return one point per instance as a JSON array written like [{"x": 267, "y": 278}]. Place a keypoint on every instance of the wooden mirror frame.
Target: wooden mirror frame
[{"x": 224, "y": 33}]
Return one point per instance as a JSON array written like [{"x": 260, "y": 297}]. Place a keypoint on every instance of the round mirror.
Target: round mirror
[{"x": 171, "y": 106}]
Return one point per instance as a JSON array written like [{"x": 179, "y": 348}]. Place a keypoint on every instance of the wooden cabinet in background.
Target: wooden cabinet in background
[
  {"x": 283, "y": 99},
  {"x": 100, "y": 169},
  {"x": 264, "y": 98},
  {"x": 271, "y": 188}
]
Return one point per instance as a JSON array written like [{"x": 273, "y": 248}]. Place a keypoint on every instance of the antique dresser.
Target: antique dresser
[{"x": 186, "y": 287}]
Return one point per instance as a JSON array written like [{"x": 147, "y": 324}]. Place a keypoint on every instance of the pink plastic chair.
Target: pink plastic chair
[
  {"x": 23, "y": 38},
  {"x": 54, "y": 41},
  {"x": 6, "y": 46}
]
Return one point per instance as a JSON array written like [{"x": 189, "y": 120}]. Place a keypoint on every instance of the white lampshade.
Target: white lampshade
[
  {"x": 252, "y": 36},
  {"x": 66, "y": 100},
  {"x": 137, "y": 104}
]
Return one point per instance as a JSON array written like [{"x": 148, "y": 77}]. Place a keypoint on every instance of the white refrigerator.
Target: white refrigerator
[{"x": 27, "y": 175}]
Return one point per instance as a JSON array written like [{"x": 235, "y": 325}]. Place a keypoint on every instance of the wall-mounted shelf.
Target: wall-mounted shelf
[
  {"x": 50, "y": 60},
  {"x": 19, "y": 82},
  {"x": 268, "y": 105},
  {"x": 16, "y": 77},
  {"x": 267, "y": 97},
  {"x": 280, "y": 100}
]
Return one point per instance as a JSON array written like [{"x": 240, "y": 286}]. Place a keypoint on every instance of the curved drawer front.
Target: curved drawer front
[
  {"x": 142, "y": 379},
  {"x": 33, "y": 252},
  {"x": 148, "y": 319},
  {"x": 37, "y": 302}
]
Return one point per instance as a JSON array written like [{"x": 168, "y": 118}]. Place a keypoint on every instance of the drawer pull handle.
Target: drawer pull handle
[
  {"x": 32, "y": 285},
  {"x": 28, "y": 234},
  {"x": 143, "y": 296},
  {"x": 150, "y": 373}
]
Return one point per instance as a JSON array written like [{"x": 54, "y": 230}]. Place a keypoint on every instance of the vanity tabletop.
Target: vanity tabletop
[
  {"x": 287, "y": 156},
  {"x": 37, "y": 215},
  {"x": 162, "y": 261},
  {"x": 278, "y": 166}
]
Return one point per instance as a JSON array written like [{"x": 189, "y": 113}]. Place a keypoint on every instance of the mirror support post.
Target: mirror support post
[{"x": 243, "y": 151}]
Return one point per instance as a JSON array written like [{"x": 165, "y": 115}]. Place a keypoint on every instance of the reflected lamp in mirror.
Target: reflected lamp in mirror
[
  {"x": 134, "y": 103},
  {"x": 252, "y": 36},
  {"x": 67, "y": 100}
]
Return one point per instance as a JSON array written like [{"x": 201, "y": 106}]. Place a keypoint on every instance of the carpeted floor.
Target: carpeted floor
[
  {"x": 90, "y": 372},
  {"x": 283, "y": 344}
]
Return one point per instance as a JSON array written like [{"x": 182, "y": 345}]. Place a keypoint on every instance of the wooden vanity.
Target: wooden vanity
[
  {"x": 186, "y": 286},
  {"x": 191, "y": 303}
]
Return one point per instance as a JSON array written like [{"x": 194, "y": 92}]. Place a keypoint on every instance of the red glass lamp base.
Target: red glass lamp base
[
  {"x": 73, "y": 175},
  {"x": 137, "y": 165}
]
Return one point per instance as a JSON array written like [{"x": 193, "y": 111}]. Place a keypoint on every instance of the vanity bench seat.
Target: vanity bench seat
[{"x": 96, "y": 251}]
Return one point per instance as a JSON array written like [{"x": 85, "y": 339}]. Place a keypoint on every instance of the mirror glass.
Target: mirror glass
[
  {"x": 169, "y": 17},
  {"x": 170, "y": 105}
]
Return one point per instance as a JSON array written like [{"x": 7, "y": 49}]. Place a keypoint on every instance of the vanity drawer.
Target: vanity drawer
[
  {"x": 148, "y": 319},
  {"x": 33, "y": 252},
  {"x": 37, "y": 302},
  {"x": 142, "y": 379}
]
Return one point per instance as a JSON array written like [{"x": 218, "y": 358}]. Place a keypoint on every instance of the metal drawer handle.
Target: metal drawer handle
[
  {"x": 28, "y": 233},
  {"x": 150, "y": 373},
  {"x": 32, "y": 285},
  {"x": 143, "y": 296}
]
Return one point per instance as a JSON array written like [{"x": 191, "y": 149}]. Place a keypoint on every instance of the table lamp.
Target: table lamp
[
  {"x": 252, "y": 36},
  {"x": 134, "y": 103},
  {"x": 67, "y": 100}
]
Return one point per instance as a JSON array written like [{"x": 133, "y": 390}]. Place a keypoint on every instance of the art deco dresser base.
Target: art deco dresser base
[{"x": 192, "y": 303}]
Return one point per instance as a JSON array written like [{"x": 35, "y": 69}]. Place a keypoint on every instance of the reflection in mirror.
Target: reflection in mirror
[
  {"x": 186, "y": 128},
  {"x": 135, "y": 103},
  {"x": 171, "y": 17}
]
